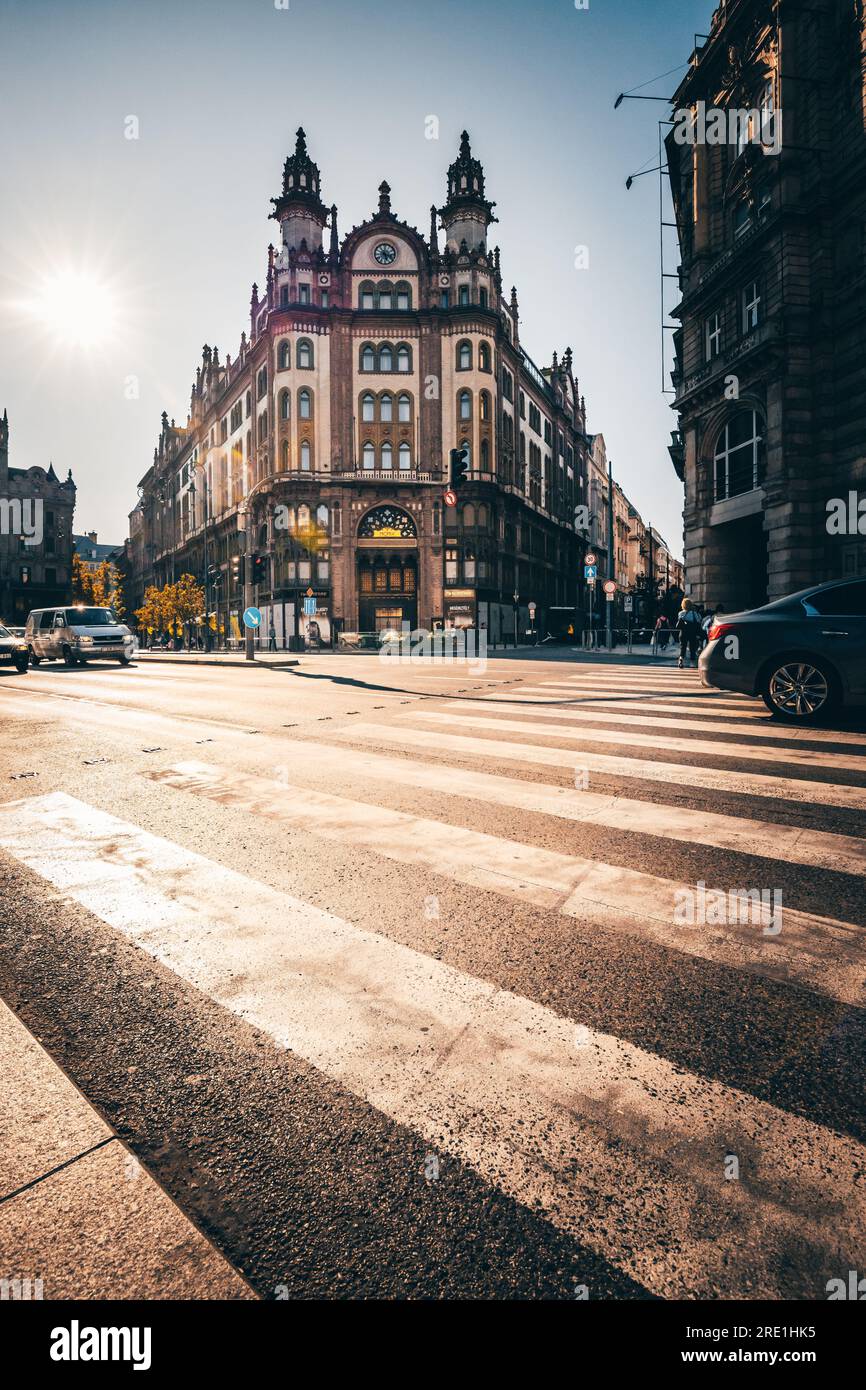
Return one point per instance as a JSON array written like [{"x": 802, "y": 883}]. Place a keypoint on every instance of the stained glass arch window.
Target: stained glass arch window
[{"x": 387, "y": 522}]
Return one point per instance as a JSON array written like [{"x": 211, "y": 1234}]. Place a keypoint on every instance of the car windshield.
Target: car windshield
[
  {"x": 4, "y": 632},
  {"x": 90, "y": 617}
]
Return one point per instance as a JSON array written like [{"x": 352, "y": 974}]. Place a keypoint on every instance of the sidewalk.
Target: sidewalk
[
  {"x": 79, "y": 1216},
  {"x": 215, "y": 658}
]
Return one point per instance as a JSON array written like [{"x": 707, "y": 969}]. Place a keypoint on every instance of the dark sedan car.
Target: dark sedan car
[
  {"x": 805, "y": 655},
  {"x": 13, "y": 652}
]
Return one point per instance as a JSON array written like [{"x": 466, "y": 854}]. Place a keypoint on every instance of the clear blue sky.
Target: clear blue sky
[{"x": 175, "y": 223}]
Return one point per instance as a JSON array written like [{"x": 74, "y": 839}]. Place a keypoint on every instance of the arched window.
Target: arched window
[
  {"x": 469, "y": 515},
  {"x": 404, "y": 409},
  {"x": 403, "y": 295},
  {"x": 465, "y": 405},
  {"x": 483, "y": 516},
  {"x": 284, "y": 456},
  {"x": 284, "y": 405},
  {"x": 464, "y": 356},
  {"x": 305, "y": 404},
  {"x": 263, "y": 426},
  {"x": 386, "y": 358},
  {"x": 405, "y": 456},
  {"x": 368, "y": 408},
  {"x": 305, "y": 352},
  {"x": 485, "y": 456},
  {"x": 387, "y": 457},
  {"x": 284, "y": 355},
  {"x": 369, "y": 455},
  {"x": 306, "y": 456},
  {"x": 404, "y": 359},
  {"x": 367, "y": 296},
  {"x": 484, "y": 357},
  {"x": 322, "y": 516},
  {"x": 303, "y": 516},
  {"x": 738, "y": 462},
  {"x": 484, "y": 405},
  {"x": 368, "y": 358},
  {"x": 464, "y": 444},
  {"x": 385, "y": 301},
  {"x": 386, "y": 408}
]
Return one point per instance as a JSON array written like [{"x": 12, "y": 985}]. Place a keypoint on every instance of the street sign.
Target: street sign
[
  {"x": 309, "y": 607},
  {"x": 450, "y": 497},
  {"x": 628, "y": 603},
  {"x": 252, "y": 617},
  {"x": 590, "y": 571},
  {"x": 610, "y": 587},
  {"x": 310, "y": 593},
  {"x": 532, "y": 610},
  {"x": 590, "y": 559}
]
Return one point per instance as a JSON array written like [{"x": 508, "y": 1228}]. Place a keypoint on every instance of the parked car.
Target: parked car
[
  {"x": 13, "y": 651},
  {"x": 805, "y": 655},
  {"x": 74, "y": 635}
]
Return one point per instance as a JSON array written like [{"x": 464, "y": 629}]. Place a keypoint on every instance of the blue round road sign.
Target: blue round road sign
[{"x": 252, "y": 617}]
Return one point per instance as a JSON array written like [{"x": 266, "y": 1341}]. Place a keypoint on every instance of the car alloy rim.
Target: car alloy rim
[{"x": 799, "y": 689}]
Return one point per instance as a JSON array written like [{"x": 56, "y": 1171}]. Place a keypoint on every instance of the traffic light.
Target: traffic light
[
  {"x": 238, "y": 570},
  {"x": 215, "y": 575},
  {"x": 260, "y": 569},
  {"x": 459, "y": 467}
]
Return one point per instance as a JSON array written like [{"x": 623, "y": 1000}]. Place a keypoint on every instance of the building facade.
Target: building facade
[
  {"x": 36, "y": 511},
  {"x": 770, "y": 369},
  {"x": 366, "y": 361}
]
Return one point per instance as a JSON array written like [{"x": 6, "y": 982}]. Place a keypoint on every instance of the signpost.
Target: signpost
[{"x": 252, "y": 617}]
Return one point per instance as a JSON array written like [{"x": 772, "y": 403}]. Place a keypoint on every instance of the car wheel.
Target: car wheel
[
  {"x": 123, "y": 660},
  {"x": 800, "y": 692},
  {"x": 34, "y": 659},
  {"x": 69, "y": 656},
  {"x": 21, "y": 665}
]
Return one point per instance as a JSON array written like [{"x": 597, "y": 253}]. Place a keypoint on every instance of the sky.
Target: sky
[{"x": 120, "y": 258}]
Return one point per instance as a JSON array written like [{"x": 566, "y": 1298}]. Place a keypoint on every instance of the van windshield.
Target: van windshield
[{"x": 90, "y": 617}]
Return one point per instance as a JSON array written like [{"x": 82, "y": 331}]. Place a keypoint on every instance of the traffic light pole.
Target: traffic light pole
[{"x": 249, "y": 632}]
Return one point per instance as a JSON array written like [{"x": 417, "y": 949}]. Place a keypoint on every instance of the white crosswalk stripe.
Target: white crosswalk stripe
[
  {"x": 598, "y": 1134},
  {"x": 847, "y": 762}
]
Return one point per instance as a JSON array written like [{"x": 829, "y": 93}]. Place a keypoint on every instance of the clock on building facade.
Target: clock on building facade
[{"x": 385, "y": 253}]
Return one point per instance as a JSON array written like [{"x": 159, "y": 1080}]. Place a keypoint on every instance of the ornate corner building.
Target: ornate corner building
[
  {"x": 770, "y": 366},
  {"x": 365, "y": 363},
  {"x": 36, "y": 513}
]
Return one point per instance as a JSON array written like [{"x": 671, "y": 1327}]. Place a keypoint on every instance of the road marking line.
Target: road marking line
[
  {"x": 817, "y": 952},
  {"x": 647, "y": 718},
  {"x": 847, "y": 762},
  {"x": 817, "y": 848},
  {"x": 644, "y": 769},
  {"x": 597, "y": 1134}
]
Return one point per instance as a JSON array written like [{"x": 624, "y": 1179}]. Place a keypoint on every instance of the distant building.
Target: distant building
[
  {"x": 770, "y": 373},
  {"x": 36, "y": 511},
  {"x": 91, "y": 553},
  {"x": 366, "y": 361}
]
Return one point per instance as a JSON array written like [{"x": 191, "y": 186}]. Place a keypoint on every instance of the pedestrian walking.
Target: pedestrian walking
[
  {"x": 272, "y": 637},
  {"x": 689, "y": 632}
]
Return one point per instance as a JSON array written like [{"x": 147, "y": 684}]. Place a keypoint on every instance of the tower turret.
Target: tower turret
[
  {"x": 299, "y": 209},
  {"x": 467, "y": 213}
]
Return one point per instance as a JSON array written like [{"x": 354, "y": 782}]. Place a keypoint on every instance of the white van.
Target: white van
[{"x": 75, "y": 634}]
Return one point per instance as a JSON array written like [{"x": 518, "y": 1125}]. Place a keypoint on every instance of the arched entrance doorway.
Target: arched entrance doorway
[{"x": 387, "y": 570}]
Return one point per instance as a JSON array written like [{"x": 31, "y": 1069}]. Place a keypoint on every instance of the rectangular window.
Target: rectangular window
[
  {"x": 304, "y": 294},
  {"x": 322, "y": 570},
  {"x": 464, "y": 296},
  {"x": 325, "y": 299},
  {"x": 402, "y": 300},
  {"x": 284, "y": 296},
  {"x": 451, "y": 566},
  {"x": 303, "y": 570},
  {"x": 367, "y": 301},
  {"x": 443, "y": 299},
  {"x": 751, "y": 307},
  {"x": 712, "y": 337}
]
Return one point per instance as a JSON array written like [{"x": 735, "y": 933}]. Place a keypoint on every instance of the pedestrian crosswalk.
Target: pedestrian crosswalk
[{"x": 616, "y": 1144}]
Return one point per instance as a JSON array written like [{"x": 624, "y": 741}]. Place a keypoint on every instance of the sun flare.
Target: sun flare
[{"x": 77, "y": 307}]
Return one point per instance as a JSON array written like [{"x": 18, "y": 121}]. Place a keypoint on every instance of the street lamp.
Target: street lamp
[{"x": 198, "y": 467}]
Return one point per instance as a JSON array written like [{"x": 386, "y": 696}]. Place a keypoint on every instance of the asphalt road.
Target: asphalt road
[{"x": 402, "y": 981}]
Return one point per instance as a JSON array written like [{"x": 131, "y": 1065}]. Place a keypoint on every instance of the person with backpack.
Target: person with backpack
[{"x": 689, "y": 632}]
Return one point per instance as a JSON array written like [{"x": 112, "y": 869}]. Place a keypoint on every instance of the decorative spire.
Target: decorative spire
[
  {"x": 434, "y": 231},
  {"x": 466, "y": 183},
  {"x": 385, "y": 200},
  {"x": 301, "y": 184},
  {"x": 335, "y": 239}
]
